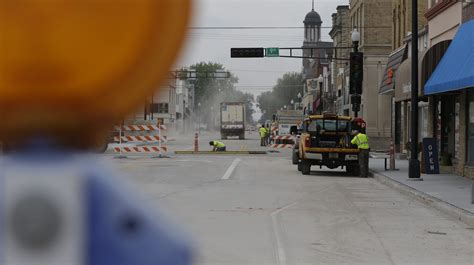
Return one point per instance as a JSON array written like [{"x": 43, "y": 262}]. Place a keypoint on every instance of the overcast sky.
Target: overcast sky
[{"x": 255, "y": 75}]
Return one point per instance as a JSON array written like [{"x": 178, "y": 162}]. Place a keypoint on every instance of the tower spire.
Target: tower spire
[{"x": 313, "y": 5}]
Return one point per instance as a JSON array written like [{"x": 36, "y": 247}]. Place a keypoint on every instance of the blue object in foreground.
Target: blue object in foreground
[{"x": 67, "y": 209}]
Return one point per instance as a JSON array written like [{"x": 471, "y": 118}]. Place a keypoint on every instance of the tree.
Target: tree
[
  {"x": 286, "y": 89},
  {"x": 210, "y": 92}
]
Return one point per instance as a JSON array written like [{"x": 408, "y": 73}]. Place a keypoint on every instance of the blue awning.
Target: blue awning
[{"x": 456, "y": 69}]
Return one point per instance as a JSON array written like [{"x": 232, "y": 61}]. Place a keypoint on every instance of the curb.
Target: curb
[
  {"x": 221, "y": 153},
  {"x": 442, "y": 206}
]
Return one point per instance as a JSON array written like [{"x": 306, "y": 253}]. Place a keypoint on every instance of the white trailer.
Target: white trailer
[{"x": 233, "y": 120}]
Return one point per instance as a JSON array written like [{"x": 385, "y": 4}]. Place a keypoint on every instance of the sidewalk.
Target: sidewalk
[{"x": 446, "y": 192}]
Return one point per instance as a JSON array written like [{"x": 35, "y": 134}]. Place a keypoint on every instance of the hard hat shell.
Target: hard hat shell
[{"x": 69, "y": 69}]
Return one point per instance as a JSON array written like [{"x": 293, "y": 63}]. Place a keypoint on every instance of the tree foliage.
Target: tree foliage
[
  {"x": 286, "y": 89},
  {"x": 210, "y": 92}
]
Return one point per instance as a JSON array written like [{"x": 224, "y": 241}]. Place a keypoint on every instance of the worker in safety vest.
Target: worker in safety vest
[
  {"x": 217, "y": 146},
  {"x": 262, "y": 131},
  {"x": 267, "y": 135},
  {"x": 362, "y": 142}
]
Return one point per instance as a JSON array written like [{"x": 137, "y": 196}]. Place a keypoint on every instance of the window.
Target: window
[
  {"x": 328, "y": 125},
  {"x": 159, "y": 108}
]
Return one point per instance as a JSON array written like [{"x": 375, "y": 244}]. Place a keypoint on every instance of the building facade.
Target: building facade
[
  {"x": 315, "y": 65},
  {"x": 373, "y": 20},
  {"x": 452, "y": 113},
  {"x": 340, "y": 34},
  {"x": 396, "y": 82}
]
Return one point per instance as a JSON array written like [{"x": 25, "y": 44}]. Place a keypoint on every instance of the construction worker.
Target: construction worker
[
  {"x": 267, "y": 135},
  {"x": 362, "y": 142},
  {"x": 262, "y": 131},
  {"x": 217, "y": 146}
]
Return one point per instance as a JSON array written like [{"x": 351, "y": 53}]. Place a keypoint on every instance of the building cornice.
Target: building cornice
[{"x": 439, "y": 8}]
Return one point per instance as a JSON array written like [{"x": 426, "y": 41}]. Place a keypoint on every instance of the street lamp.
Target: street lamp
[
  {"x": 355, "y": 37},
  {"x": 321, "y": 81},
  {"x": 356, "y": 72}
]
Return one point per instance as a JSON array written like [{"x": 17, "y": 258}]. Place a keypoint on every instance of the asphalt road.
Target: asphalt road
[{"x": 258, "y": 209}]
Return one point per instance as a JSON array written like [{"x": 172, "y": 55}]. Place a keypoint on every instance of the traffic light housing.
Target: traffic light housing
[
  {"x": 356, "y": 101},
  {"x": 356, "y": 72},
  {"x": 247, "y": 52}
]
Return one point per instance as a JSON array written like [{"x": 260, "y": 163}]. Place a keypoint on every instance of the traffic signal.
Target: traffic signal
[
  {"x": 356, "y": 72},
  {"x": 356, "y": 101},
  {"x": 247, "y": 52}
]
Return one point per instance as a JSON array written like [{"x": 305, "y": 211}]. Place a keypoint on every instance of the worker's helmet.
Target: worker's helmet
[{"x": 211, "y": 143}]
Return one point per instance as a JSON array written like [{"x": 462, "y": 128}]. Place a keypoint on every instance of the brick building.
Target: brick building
[{"x": 340, "y": 34}]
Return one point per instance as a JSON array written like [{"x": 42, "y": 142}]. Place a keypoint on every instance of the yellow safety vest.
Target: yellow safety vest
[
  {"x": 219, "y": 144},
  {"x": 362, "y": 141},
  {"x": 263, "y": 132}
]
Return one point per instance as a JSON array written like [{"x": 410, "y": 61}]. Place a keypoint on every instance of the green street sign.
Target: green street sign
[{"x": 273, "y": 52}]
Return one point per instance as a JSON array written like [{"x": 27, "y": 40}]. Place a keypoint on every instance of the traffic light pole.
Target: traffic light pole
[{"x": 414, "y": 168}]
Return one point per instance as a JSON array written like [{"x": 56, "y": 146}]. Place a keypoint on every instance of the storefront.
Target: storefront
[
  {"x": 452, "y": 85},
  {"x": 387, "y": 87}
]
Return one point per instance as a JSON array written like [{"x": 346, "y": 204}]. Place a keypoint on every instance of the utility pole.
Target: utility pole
[{"x": 414, "y": 168}]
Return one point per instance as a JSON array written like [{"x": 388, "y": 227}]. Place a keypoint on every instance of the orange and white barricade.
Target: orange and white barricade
[
  {"x": 281, "y": 146},
  {"x": 140, "y": 149},
  {"x": 282, "y": 137},
  {"x": 153, "y": 136}
]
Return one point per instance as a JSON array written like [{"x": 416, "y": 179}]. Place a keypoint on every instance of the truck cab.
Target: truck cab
[{"x": 326, "y": 141}]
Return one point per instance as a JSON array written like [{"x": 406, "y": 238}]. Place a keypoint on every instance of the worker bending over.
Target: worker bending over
[{"x": 217, "y": 146}]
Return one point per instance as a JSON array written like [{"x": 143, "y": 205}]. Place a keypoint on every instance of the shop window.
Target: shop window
[{"x": 160, "y": 108}]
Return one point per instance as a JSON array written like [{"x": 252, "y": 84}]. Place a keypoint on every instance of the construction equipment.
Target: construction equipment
[
  {"x": 326, "y": 141},
  {"x": 286, "y": 124}
]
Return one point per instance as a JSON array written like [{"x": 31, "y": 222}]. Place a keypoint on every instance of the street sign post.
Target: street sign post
[{"x": 272, "y": 52}]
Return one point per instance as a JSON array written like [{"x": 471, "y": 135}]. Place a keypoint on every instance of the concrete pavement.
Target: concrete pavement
[
  {"x": 449, "y": 193},
  {"x": 261, "y": 210}
]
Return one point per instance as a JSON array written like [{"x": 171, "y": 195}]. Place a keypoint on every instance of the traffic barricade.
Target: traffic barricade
[{"x": 151, "y": 140}]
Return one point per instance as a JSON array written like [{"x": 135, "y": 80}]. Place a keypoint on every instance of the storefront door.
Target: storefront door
[{"x": 448, "y": 104}]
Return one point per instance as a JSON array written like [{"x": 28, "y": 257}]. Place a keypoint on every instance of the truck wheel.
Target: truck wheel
[
  {"x": 305, "y": 167},
  {"x": 353, "y": 170},
  {"x": 294, "y": 158},
  {"x": 300, "y": 166}
]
